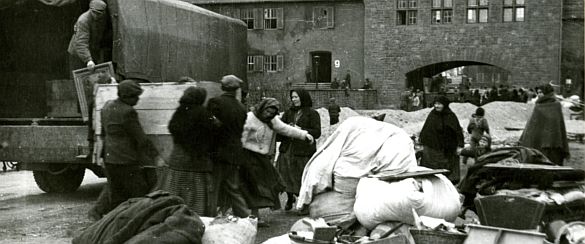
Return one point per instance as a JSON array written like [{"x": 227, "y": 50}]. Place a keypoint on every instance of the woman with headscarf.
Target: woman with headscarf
[
  {"x": 442, "y": 139},
  {"x": 262, "y": 184},
  {"x": 545, "y": 130},
  {"x": 189, "y": 167},
  {"x": 294, "y": 154}
]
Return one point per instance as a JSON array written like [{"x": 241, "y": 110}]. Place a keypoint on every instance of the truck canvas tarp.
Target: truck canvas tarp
[{"x": 162, "y": 40}]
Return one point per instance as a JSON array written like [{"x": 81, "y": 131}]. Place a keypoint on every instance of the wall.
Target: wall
[
  {"x": 298, "y": 38},
  {"x": 529, "y": 50},
  {"x": 572, "y": 62}
]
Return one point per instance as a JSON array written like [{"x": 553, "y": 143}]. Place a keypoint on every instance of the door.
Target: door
[{"x": 320, "y": 66}]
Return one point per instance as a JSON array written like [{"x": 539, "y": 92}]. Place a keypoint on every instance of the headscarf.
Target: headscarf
[
  {"x": 193, "y": 96},
  {"x": 268, "y": 102},
  {"x": 305, "y": 98},
  {"x": 445, "y": 101},
  {"x": 549, "y": 95}
]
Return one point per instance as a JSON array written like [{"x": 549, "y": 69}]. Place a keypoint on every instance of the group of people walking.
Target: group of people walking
[{"x": 222, "y": 156}]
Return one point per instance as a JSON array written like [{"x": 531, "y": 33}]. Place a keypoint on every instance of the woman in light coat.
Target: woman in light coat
[{"x": 262, "y": 183}]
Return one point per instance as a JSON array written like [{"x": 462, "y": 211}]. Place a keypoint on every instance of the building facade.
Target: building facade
[
  {"x": 398, "y": 44},
  {"x": 298, "y": 42}
]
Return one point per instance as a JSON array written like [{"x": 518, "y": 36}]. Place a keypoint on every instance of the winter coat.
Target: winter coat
[
  {"x": 260, "y": 137},
  {"x": 125, "y": 140}
]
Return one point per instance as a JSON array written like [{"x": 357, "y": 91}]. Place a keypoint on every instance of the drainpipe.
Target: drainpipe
[{"x": 562, "y": 85}]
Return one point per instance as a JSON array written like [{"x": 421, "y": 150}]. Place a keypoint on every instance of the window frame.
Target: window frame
[
  {"x": 442, "y": 9},
  {"x": 270, "y": 17},
  {"x": 514, "y": 6},
  {"x": 477, "y": 7},
  {"x": 273, "y": 63},
  {"x": 247, "y": 15},
  {"x": 329, "y": 17},
  {"x": 407, "y": 12},
  {"x": 257, "y": 64}
]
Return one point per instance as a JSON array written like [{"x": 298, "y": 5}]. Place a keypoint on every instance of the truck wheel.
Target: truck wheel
[{"x": 66, "y": 180}]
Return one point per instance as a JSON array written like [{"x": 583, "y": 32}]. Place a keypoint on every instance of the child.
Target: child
[{"x": 478, "y": 125}]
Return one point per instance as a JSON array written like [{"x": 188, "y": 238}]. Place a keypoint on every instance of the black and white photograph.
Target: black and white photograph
[{"x": 292, "y": 121}]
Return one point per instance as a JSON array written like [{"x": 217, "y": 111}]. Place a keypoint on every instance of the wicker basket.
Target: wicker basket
[{"x": 436, "y": 237}]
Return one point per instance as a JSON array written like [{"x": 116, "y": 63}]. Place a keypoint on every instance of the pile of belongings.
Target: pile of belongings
[
  {"x": 343, "y": 182},
  {"x": 519, "y": 188},
  {"x": 160, "y": 217}
]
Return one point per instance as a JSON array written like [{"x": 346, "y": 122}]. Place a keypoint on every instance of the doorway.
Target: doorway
[{"x": 320, "y": 66}]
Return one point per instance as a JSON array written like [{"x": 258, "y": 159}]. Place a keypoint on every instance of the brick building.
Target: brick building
[{"x": 398, "y": 43}]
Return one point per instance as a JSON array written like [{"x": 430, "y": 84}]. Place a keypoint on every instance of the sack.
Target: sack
[
  {"x": 231, "y": 230},
  {"x": 378, "y": 201},
  {"x": 336, "y": 208}
]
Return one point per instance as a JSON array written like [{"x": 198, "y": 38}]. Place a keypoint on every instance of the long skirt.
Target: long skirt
[
  {"x": 291, "y": 169},
  {"x": 437, "y": 159},
  {"x": 194, "y": 187},
  {"x": 261, "y": 182}
]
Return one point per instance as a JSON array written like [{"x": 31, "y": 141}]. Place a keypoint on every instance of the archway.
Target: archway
[{"x": 465, "y": 73}]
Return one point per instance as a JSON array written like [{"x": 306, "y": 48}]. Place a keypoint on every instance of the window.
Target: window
[
  {"x": 477, "y": 11},
  {"x": 442, "y": 11},
  {"x": 273, "y": 63},
  {"x": 255, "y": 63},
  {"x": 273, "y": 18},
  {"x": 247, "y": 15},
  {"x": 407, "y": 12},
  {"x": 513, "y": 10},
  {"x": 323, "y": 17}
]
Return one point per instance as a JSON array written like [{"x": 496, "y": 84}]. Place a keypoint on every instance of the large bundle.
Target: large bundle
[
  {"x": 378, "y": 201},
  {"x": 359, "y": 147}
]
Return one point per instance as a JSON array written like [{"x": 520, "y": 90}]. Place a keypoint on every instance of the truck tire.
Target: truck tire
[{"x": 67, "y": 180}]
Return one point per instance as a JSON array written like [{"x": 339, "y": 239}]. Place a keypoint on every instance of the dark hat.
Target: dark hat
[
  {"x": 230, "y": 83},
  {"x": 98, "y": 5},
  {"x": 129, "y": 88},
  {"x": 193, "y": 95}
]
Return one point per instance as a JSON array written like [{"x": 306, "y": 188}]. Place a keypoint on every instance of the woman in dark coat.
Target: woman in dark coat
[
  {"x": 442, "y": 138},
  {"x": 294, "y": 153},
  {"x": 545, "y": 130},
  {"x": 189, "y": 171}
]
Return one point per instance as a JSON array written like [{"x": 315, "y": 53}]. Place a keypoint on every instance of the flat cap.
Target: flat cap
[
  {"x": 230, "y": 83},
  {"x": 129, "y": 88},
  {"x": 98, "y": 5}
]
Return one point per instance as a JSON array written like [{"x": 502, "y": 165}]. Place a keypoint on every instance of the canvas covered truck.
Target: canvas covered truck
[{"x": 156, "y": 41}]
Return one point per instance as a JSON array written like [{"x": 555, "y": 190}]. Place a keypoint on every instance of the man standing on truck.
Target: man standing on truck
[
  {"x": 126, "y": 146},
  {"x": 227, "y": 157},
  {"x": 88, "y": 34}
]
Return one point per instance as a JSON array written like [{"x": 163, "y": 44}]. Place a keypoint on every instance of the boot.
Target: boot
[{"x": 289, "y": 202}]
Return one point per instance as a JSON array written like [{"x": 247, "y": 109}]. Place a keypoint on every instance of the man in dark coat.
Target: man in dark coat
[
  {"x": 545, "y": 130},
  {"x": 88, "y": 34},
  {"x": 231, "y": 115},
  {"x": 126, "y": 146}
]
